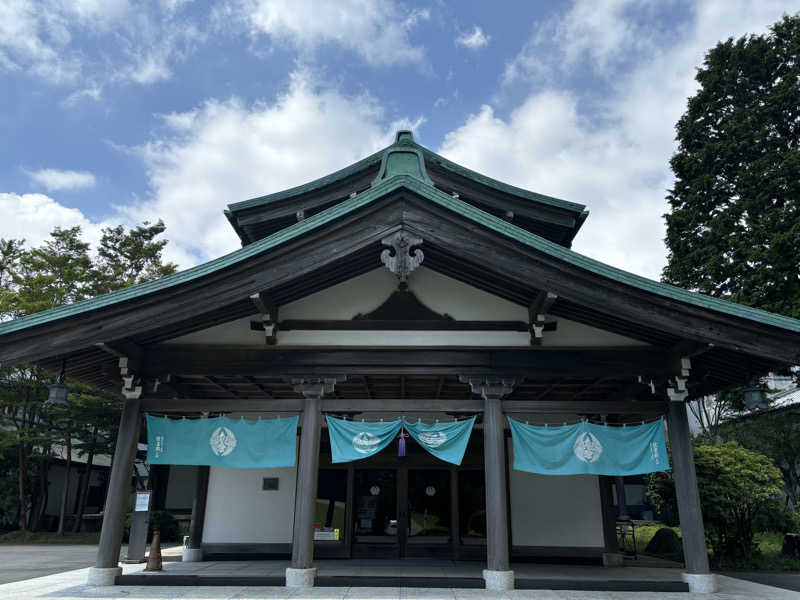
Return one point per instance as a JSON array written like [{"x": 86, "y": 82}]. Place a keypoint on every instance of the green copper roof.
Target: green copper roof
[
  {"x": 373, "y": 160},
  {"x": 438, "y": 197},
  {"x": 404, "y": 141},
  {"x": 500, "y": 186},
  {"x": 403, "y": 157}
]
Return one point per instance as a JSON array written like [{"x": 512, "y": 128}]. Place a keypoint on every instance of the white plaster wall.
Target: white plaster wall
[
  {"x": 181, "y": 487},
  {"x": 239, "y": 511},
  {"x": 554, "y": 510},
  {"x": 440, "y": 293}
]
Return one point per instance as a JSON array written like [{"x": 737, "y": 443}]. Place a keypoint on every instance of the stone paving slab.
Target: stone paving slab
[{"x": 71, "y": 586}]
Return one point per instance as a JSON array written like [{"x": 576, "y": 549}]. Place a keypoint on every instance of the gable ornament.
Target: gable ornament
[{"x": 403, "y": 254}]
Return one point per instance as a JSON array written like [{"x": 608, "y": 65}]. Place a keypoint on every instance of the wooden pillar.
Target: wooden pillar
[
  {"x": 301, "y": 572},
  {"x": 119, "y": 487},
  {"x": 611, "y": 554},
  {"x": 494, "y": 455},
  {"x": 305, "y": 497},
  {"x": 498, "y": 574},
  {"x": 455, "y": 533},
  {"x": 689, "y": 511},
  {"x": 697, "y": 575},
  {"x": 193, "y": 552},
  {"x": 622, "y": 501}
]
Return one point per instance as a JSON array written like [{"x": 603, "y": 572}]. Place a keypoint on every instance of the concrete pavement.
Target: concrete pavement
[
  {"x": 72, "y": 585},
  {"x": 26, "y": 561}
]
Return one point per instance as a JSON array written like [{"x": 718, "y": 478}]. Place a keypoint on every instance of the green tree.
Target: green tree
[
  {"x": 777, "y": 435},
  {"x": 61, "y": 271},
  {"x": 737, "y": 486},
  {"x": 125, "y": 258},
  {"x": 733, "y": 229},
  {"x": 96, "y": 420}
]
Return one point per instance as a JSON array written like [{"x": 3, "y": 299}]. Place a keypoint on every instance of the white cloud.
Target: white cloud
[
  {"x": 33, "y": 41},
  {"x": 376, "y": 30},
  {"x": 473, "y": 40},
  {"x": 69, "y": 42},
  {"x": 611, "y": 152},
  {"x": 94, "y": 93},
  {"x": 55, "y": 179},
  {"x": 228, "y": 151},
  {"x": 36, "y": 215}
]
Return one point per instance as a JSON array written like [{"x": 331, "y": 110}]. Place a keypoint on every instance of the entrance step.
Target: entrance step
[{"x": 522, "y": 583}]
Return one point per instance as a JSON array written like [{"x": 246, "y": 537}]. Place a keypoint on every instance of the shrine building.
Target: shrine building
[{"x": 414, "y": 302}]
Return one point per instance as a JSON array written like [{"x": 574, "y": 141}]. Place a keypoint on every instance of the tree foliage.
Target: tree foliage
[
  {"x": 734, "y": 226},
  {"x": 60, "y": 271},
  {"x": 775, "y": 434},
  {"x": 737, "y": 486}
]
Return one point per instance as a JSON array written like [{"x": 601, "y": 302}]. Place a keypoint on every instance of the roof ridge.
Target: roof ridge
[{"x": 405, "y": 139}]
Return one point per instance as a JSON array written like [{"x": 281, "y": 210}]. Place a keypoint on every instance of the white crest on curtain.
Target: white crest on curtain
[
  {"x": 365, "y": 443},
  {"x": 222, "y": 441},
  {"x": 587, "y": 447}
]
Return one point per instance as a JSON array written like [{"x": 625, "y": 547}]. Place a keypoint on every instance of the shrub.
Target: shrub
[{"x": 737, "y": 488}]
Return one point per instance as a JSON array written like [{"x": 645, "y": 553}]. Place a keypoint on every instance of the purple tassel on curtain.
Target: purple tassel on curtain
[{"x": 401, "y": 445}]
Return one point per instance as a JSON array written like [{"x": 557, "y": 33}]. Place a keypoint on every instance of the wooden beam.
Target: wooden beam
[
  {"x": 213, "y": 381},
  {"x": 534, "y": 362},
  {"x": 334, "y": 405},
  {"x": 262, "y": 388},
  {"x": 191, "y": 405},
  {"x": 398, "y": 325}
]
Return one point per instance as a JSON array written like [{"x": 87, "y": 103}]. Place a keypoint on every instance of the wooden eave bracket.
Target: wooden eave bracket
[
  {"x": 130, "y": 361},
  {"x": 490, "y": 387},
  {"x": 676, "y": 388},
  {"x": 537, "y": 313},
  {"x": 316, "y": 387},
  {"x": 269, "y": 317}
]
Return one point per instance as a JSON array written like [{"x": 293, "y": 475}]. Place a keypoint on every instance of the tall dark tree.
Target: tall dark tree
[
  {"x": 125, "y": 258},
  {"x": 734, "y": 226},
  {"x": 60, "y": 271}
]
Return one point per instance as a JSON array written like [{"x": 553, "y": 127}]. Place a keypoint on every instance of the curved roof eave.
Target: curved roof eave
[
  {"x": 438, "y": 197},
  {"x": 373, "y": 160}
]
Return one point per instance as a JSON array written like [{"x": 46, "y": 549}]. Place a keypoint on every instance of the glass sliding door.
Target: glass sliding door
[
  {"x": 375, "y": 527},
  {"x": 429, "y": 506}
]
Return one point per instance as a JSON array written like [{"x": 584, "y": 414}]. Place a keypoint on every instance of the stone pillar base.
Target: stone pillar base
[
  {"x": 103, "y": 576},
  {"x": 498, "y": 580},
  {"x": 613, "y": 559},
  {"x": 300, "y": 577},
  {"x": 701, "y": 583},
  {"x": 192, "y": 555}
]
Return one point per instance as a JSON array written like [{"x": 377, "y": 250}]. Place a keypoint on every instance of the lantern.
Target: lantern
[
  {"x": 755, "y": 396},
  {"x": 57, "y": 395}
]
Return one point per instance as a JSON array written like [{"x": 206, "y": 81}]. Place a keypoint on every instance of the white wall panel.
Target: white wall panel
[
  {"x": 554, "y": 510},
  {"x": 239, "y": 511}
]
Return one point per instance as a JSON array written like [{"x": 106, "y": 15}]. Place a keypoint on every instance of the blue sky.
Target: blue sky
[{"x": 116, "y": 112}]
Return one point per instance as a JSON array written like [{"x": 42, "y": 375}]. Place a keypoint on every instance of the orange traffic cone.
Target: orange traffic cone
[{"x": 154, "y": 557}]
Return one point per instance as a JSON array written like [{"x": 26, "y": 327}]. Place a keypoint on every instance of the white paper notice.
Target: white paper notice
[{"x": 142, "y": 501}]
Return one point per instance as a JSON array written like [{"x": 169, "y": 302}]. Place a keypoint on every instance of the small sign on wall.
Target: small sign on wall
[
  {"x": 270, "y": 483},
  {"x": 142, "y": 502}
]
